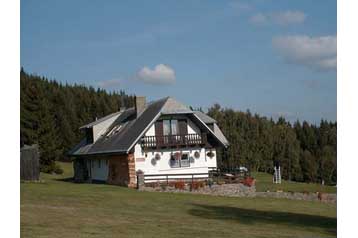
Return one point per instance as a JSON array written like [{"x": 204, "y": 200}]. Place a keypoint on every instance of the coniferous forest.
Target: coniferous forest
[
  {"x": 51, "y": 114},
  {"x": 306, "y": 152}
]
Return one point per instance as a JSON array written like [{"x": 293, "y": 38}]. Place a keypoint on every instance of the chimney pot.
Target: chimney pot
[{"x": 140, "y": 102}]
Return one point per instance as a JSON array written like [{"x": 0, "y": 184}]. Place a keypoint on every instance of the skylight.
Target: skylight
[{"x": 114, "y": 130}]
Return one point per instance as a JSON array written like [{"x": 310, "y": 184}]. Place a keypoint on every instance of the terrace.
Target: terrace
[{"x": 166, "y": 141}]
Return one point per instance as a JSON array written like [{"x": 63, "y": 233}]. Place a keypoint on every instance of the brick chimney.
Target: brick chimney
[{"x": 140, "y": 102}]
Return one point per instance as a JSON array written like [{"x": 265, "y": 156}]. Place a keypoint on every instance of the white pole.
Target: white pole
[{"x": 279, "y": 174}]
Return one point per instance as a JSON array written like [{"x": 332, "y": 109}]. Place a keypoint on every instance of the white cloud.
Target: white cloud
[
  {"x": 316, "y": 52},
  {"x": 161, "y": 74},
  {"x": 112, "y": 83},
  {"x": 280, "y": 18}
]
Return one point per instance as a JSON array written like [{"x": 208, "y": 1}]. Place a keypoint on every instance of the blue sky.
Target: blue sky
[{"x": 272, "y": 57}]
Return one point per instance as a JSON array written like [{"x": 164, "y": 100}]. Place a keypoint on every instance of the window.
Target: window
[
  {"x": 170, "y": 127},
  {"x": 174, "y": 163},
  {"x": 89, "y": 135},
  {"x": 166, "y": 127},
  {"x": 182, "y": 162},
  {"x": 99, "y": 163},
  {"x": 174, "y": 127},
  {"x": 114, "y": 130}
]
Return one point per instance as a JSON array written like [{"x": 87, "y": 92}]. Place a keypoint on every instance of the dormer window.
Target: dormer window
[{"x": 89, "y": 135}]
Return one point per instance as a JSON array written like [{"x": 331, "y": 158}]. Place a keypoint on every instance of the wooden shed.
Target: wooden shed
[{"x": 29, "y": 163}]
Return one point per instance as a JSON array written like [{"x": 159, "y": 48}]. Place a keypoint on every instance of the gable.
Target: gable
[{"x": 185, "y": 125}]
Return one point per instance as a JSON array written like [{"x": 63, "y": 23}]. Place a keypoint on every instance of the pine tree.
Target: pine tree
[{"x": 51, "y": 114}]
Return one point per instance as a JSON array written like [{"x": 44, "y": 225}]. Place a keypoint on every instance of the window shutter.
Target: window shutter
[
  {"x": 183, "y": 127},
  {"x": 158, "y": 126}
]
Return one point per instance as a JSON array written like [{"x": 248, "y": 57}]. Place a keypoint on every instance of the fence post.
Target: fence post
[{"x": 140, "y": 180}]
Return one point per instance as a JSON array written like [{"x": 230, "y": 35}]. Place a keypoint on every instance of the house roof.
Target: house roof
[
  {"x": 220, "y": 135},
  {"x": 205, "y": 118},
  {"x": 128, "y": 128},
  {"x": 89, "y": 125}
]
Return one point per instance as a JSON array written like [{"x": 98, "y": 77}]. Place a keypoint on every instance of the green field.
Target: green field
[
  {"x": 56, "y": 207},
  {"x": 264, "y": 183}
]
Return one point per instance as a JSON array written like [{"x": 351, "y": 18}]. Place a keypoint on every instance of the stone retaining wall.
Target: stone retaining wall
[
  {"x": 240, "y": 190},
  {"x": 324, "y": 197}
]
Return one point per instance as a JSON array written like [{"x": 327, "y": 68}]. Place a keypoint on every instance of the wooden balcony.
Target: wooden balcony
[{"x": 174, "y": 141}]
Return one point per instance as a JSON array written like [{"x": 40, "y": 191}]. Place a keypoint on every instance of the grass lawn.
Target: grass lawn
[
  {"x": 264, "y": 183},
  {"x": 57, "y": 208}
]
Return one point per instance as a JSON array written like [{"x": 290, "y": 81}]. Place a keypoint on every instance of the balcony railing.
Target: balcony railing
[{"x": 173, "y": 140}]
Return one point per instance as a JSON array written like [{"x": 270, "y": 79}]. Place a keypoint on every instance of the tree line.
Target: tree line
[
  {"x": 51, "y": 114},
  {"x": 306, "y": 152}
]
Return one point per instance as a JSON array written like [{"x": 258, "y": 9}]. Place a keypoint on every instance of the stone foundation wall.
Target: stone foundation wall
[
  {"x": 121, "y": 170},
  {"x": 131, "y": 172}
]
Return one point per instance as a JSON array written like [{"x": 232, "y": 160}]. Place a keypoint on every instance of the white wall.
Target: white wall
[
  {"x": 192, "y": 128},
  {"x": 151, "y": 131},
  {"x": 143, "y": 161},
  {"x": 98, "y": 169}
]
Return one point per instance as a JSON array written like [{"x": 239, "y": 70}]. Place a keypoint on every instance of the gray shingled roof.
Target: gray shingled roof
[
  {"x": 133, "y": 128},
  {"x": 205, "y": 118},
  {"x": 220, "y": 135},
  {"x": 101, "y": 120}
]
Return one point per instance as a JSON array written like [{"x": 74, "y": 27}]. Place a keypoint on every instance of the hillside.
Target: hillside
[
  {"x": 264, "y": 183},
  {"x": 51, "y": 114},
  {"x": 56, "y": 208}
]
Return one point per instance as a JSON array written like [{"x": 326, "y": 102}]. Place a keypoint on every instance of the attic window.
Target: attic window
[
  {"x": 89, "y": 135},
  {"x": 114, "y": 130}
]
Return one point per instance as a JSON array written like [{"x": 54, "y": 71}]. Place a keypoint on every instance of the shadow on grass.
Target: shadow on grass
[
  {"x": 250, "y": 216},
  {"x": 71, "y": 180}
]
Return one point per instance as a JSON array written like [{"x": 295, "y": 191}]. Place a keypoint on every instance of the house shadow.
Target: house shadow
[
  {"x": 72, "y": 180},
  {"x": 69, "y": 180},
  {"x": 250, "y": 216}
]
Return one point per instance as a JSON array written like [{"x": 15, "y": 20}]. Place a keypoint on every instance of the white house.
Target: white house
[{"x": 161, "y": 137}]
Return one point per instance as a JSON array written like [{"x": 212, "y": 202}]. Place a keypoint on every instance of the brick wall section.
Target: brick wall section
[
  {"x": 121, "y": 170},
  {"x": 132, "y": 173}
]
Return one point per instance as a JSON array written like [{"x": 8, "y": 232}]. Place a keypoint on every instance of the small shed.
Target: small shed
[{"x": 29, "y": 163}]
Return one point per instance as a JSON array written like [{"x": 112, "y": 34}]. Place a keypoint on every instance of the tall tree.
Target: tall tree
[{"x": 51, "y": 114}]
